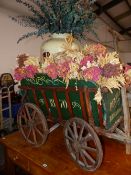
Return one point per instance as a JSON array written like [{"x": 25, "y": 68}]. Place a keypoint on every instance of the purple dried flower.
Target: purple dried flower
[{"x": 110, "y": 70}]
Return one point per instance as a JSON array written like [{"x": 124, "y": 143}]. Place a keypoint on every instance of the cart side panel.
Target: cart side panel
[
  {"x": 112, "y": 103},
  {"x": 60, "y": 103},
  {"x": 74, "y": 96}
]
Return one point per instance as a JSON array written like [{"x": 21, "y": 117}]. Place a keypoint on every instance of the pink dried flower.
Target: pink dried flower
[
  {"x": 51, "y": 70},
  {"x": 63, "y": 69},
  {"x": 92, "y": 73},
  {"x": 19, "y": 73},
  {"x": 86, "y": 59},
  {"x": 31, "y": 70},
  {"x": 25, "y": 72}
]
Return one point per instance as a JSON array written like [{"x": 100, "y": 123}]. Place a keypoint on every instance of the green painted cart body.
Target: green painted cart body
[{"x": 105, "y": 115}]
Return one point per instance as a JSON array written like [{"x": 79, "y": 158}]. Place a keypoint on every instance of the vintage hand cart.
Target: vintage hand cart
[{"x": 48, "y": 103}]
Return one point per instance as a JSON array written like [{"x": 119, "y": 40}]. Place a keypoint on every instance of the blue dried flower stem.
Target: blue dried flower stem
[{"x": 57, "y": 16}]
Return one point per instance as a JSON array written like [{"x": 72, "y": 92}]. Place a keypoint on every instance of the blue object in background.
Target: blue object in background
[{"x": 14, "y": 109}]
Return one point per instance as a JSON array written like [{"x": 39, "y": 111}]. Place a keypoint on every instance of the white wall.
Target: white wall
[{"x": 9, "y": 49}]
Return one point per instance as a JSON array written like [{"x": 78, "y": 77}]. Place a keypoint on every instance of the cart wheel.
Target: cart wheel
[
  {"x": 83, "y": 144},
  {"x": 32, "y": 124}
]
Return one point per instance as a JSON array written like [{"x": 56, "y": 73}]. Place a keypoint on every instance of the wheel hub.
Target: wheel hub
[
  {"x": 31, "y": 123},
  {"x": 76, "y": 146}
]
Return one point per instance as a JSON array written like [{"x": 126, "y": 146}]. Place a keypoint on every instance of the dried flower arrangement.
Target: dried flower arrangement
[{"x": 93, "y": 63}]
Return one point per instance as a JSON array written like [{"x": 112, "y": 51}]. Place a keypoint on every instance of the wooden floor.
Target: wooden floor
[{"x": 115, "y": 161}]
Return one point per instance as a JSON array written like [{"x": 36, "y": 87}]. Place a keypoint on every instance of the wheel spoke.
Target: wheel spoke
[
  {"x": 38, "y": 131},
  {"x": 23, "y": 116},
  {"x": 77, "y": 156},
  {"x": 33, "y": 115},
  {"x": 84, "y": 159},
  {"x": 69, "y": 138},
  {"x": 71, "y": 149},
  {"x": 89, "y": 148},
  {"x": 28, "y": 114},
  {"x": 81, "y": 132},
  {"x": 88, "y": 156},
  {"x": 75, "y": 130},
  {"x": 34, "y": 135},
  {"x": 70, "y": 131},
  {"x": 28, "y": 133}
]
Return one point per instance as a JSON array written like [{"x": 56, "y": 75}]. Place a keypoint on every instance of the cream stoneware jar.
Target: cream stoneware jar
[{"x": 58, "y": 43}]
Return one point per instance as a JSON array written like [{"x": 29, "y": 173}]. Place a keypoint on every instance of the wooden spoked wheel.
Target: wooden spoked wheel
[
  {"x": 32, "y": 124},
  {"x": 83, "y": 144}
]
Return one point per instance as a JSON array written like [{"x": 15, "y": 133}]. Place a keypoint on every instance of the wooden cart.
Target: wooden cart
[{"x": 48, "y": 103}]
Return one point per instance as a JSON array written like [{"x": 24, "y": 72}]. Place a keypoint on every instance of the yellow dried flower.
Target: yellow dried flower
[
  {"x": 112, "y": 58},
  {"x": 98, "y": 96},
  {"x": 32, "y": 61},
  {"x": 113, "y": 82},
  {"x": 74, "y": 71}
]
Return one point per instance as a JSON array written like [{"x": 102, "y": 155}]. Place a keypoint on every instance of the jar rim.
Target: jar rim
[{"x": 60, "y": 35}]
